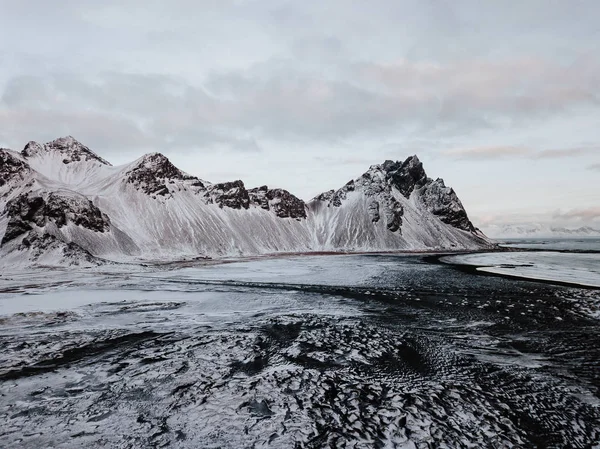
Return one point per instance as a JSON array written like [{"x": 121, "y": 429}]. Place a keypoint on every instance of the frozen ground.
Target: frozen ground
[{"x": 331, "y": 351}]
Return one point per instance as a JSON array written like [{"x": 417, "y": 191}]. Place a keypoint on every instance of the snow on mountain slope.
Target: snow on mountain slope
[
  {"x": 61, "y": 193},
  {"x": 66, "y": 161},
  {"x": 393, "y": 206},
  {"x": 41, "y": 250}
]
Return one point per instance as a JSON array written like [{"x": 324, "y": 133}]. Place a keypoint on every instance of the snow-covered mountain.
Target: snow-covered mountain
[
  {"x": 62, "y": 203},
  {"x": 538, "y": 230}
]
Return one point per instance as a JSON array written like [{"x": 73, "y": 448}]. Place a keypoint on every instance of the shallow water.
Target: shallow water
[
  {"x": 578, "y": 269},
  {"x": 587, "y": 244},
  {"x": 331, "y": 351},
  {"x": 573, "y": 262}
]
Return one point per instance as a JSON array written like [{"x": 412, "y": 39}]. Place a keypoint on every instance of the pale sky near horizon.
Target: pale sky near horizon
[{"x": 499, "y": 98}]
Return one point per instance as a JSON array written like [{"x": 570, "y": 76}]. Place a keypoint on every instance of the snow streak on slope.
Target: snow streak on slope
[{"x": 150, "y": 210}]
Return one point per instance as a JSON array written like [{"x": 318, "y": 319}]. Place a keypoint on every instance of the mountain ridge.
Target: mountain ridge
[{"x": 150, "y": 209}]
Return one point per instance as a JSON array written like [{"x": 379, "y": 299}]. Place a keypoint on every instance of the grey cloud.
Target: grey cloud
[
  {"x": 486, "y": 153},
  {"x": 116, "y": 112},
  {"x": 225, "y": 79},
  {"x": 513, "y": 88},
  {"x": 99, "y": 130},
  {"x": 175, "y": 111},
  {"x": 273, "y": 100},
  {"x": 595, "y": 167},
  {"x": 447, "y": 99},
  {"x": 592, "y": 213},
  {"x": 567, "y": 152},
  {"x": 320, "y": 94}
]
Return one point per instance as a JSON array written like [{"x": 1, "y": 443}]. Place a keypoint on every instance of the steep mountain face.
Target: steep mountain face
[
  {"x": 14, "y": 172},
  {"x": 61, "y": 198},
  {"x": 442, "y": 202},
  {"x": 11, "y": 167},
  {"x": 393, "y": 206},
  {"x": 26, "y": 211}
]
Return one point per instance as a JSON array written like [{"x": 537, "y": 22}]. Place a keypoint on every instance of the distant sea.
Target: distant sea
[
  {"x": 587, "y": 244},
  {"x": 569, "y": 261}
]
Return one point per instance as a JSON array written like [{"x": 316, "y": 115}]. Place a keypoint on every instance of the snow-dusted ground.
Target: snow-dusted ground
[{"x": 332, "y": 351}]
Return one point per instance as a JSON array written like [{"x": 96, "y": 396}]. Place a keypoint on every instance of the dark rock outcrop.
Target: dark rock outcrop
[
  {"x": 373, "y": 211},
  {"x": 280, "y": 201},
  {"x": 36, "y": 245},
  {"x": 443, "y": 202},
  {"x": 11, "y": 167},
  {"x": 393, "y": 213},
  {"x": 25, "y": 211},
  {"x": 154, "y": 173},
  {"x": 229, "y": 194},
  {"x": 405, "y": 176}
]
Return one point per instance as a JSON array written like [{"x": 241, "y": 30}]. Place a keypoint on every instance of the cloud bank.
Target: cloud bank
[{"x": 264, "y": 89}]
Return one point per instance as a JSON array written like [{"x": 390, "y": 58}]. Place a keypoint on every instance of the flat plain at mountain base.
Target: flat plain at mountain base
[{"x": 330, "y": 351}]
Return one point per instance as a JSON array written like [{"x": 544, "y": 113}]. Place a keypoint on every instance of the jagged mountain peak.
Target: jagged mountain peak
[
  {"x": 70, "y": 149},
  {"x": 153, "y": 171},
  {"x": 405, "y": 176},
  {"x": 411, "y": 161},
  {"x": 32, "y": 148},
  {"x": 155, "y": 158},
  {"x": 158, "y": 165},
  {"x": 379, "y": 185},
  {"x": 65, "y": 141}
]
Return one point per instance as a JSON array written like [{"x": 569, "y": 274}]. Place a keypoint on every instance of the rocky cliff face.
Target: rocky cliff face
[
  {"x": 11, "y": 168},
  {"x": 229, "y": 194},
  {"x": 63, "y": 192},
  {"x": 280, "y": 201},
  {"x": 406, "y": 176},
  {"x": 442, "y": 202},
  {"x": 154, "y": 174},
  {"x": 380, "y": 183},
  {"x": 28, "y": 211}
]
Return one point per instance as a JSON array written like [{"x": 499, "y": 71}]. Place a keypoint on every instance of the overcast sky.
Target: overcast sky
[{"x": 501, "y": 99}]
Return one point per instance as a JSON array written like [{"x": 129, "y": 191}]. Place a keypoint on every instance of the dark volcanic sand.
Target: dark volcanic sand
[{"x": 338, "y": 351}]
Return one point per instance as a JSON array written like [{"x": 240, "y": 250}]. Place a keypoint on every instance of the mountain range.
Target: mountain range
[
  {"x": 538, "y": 230},
  {"x": 61, "y": 203}
]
